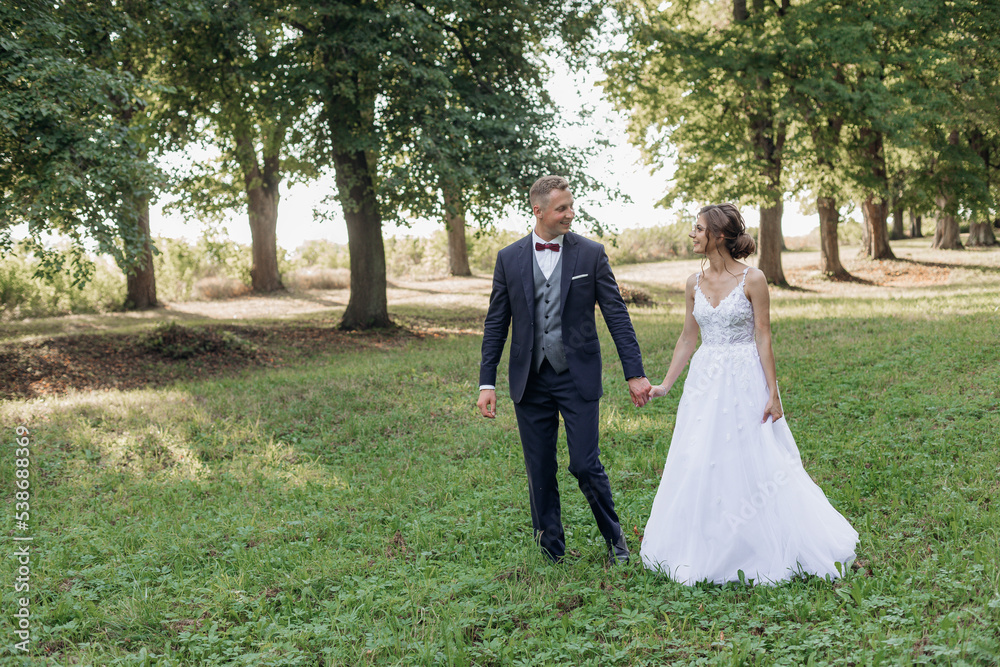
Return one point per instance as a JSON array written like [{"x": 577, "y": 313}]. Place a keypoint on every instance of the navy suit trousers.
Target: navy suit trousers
[{"x": 546, "y": 395}]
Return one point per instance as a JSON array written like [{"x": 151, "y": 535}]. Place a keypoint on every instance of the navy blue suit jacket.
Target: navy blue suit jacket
[{"x": 586, "y": 280}]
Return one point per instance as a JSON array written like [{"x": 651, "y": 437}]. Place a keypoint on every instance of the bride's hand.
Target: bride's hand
[
  {"x": 772, "y": 410},
  {"x": 657, "y": 391}
]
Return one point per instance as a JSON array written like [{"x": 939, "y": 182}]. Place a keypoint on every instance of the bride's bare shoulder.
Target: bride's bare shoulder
[{"x": 756, "y": 276}]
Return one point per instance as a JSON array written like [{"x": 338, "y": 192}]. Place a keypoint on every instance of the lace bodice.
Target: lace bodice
[{"x": 729, "y": 323}]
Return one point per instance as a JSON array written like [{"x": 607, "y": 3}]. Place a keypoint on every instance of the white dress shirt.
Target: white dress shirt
[{"x": 547, "y": 259}]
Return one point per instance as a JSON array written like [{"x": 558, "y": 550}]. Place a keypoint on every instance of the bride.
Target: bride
[{"x": 734, "y": 497}]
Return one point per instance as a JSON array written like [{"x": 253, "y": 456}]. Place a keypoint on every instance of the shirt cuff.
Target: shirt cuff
[{"x": 486, "y": 386}]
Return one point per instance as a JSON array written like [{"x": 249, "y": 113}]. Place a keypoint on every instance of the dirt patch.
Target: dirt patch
[
  {"x": 99, "y": 362},
  {"x": 880, "y": 272}
]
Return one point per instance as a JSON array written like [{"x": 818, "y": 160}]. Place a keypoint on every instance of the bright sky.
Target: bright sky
[{"x": 622, "y": 163}]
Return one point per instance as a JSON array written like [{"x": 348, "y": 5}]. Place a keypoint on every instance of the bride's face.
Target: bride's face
[{"x": 699, "y": 234}]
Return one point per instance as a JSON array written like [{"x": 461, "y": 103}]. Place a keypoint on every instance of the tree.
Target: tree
[
  {"x": 822, "y": 100},
  {"x": 378, "y": 67},
  {"x": 70, "y": 162},
  {"x": 915, "y": 224},
  {"x": 235, "y": 86},
  {"x": 480, "y": 139},
  {"x": 124, "y": 37},
  {"x": 710, "y": 90},
  {"x": 980, "y": 97},
  {"x": 958, "y": 128}
]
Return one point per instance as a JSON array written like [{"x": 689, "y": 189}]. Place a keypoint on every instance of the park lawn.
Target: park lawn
[{"x": 352, "y": 508}]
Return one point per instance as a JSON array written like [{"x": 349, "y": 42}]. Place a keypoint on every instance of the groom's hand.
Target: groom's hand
[
  {"x": 487, "y": 403},
  {"x": 639, "y": 389}
]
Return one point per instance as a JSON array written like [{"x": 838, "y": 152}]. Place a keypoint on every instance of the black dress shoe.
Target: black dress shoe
[{"x": 618, "y": 552}]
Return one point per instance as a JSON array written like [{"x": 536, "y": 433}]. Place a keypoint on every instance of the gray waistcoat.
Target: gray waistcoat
[{"x": 548, "y": 322}]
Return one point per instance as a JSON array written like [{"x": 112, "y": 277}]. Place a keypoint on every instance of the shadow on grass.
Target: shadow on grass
[
  {"x": 946, "y": 265},
  {"x": 846, "y": 277}
]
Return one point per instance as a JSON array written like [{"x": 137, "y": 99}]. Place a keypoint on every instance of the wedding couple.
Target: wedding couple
[{"x": 734, "y": 496}]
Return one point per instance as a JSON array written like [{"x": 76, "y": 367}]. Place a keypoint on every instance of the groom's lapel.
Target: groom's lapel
[
  {"x": 570, "y": 251},
  {"x": 526, "y": 258}
]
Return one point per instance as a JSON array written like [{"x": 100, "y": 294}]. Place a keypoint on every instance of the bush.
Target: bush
[
  {"x": 219, "y": 288},
  {"x": 23, "y": 295},
  {"x": 635, "y": 295},
  {"x": 849, "y": 232},
  {"x": 208, "y": 269},
  {"x": 483, "y": 249},
  {"x": 416, "y": 257},
  {"x": 320, "y": 254},
  {"x": 176, "y": 341},
  {"x": 318, "y": 278},
  {"x": 651, "y": 244}
]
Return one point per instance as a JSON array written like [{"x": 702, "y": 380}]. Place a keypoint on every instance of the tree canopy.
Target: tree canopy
[
  {"x": 70, "y": 161},
  {"x": 876, "y": 102}
]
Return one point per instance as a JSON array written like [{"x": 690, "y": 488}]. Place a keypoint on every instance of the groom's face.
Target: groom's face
[{"x": 554, "y": 217}]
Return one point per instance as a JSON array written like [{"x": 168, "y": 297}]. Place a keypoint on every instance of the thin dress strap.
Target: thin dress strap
[
  {"x": 697, "y": 279},
  {"x": 743, "y": 282}
]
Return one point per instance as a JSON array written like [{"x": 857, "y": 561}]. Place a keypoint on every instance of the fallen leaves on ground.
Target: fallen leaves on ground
[
  {"x": 881, "y": 272},
  {"x": 100, "y": 362}
]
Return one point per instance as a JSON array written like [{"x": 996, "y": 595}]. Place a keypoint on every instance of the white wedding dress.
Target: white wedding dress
[{"x": 734, "y": 495}]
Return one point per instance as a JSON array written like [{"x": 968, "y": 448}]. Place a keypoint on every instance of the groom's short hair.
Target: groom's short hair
[{"x": 543, "y": 187}]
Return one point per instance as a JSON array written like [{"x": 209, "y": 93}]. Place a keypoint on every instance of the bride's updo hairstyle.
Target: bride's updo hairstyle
[{"x": 724, "y": 221}]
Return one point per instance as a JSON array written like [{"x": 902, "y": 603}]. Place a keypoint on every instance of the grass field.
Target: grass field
[{"x": 349, "y": 507}]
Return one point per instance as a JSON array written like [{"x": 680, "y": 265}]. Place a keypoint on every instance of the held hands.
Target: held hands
[
  {"x": 639, "y": 389},
  {"x": 657, "y": 391},
  {"x": 487, "y": 403}
]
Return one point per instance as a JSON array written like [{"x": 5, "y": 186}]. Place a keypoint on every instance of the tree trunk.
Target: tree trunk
[
  {"x": 915, "y": 220},
  {"x": 769, "y": 141},
  {"x": 140, "y": 281},
  {"x": 454, "y": 221},
  {"x": 367, "y": 307},
  {"x": 769, "y": 240},
  {"x": 262, "y": 191},
  {"x": 981, "y": 234},
  {"x": 946, "y": 233},
  {"x": 829, "y": 258},
  {"x": 740, "y": 10},
  {"x": 898, "y": 227},
  {"x": 263, "y": 210},
  {"x": 874, "y": 207},
  {"x": 866, "y": 235},
  {"x": 875, "y": 212}
]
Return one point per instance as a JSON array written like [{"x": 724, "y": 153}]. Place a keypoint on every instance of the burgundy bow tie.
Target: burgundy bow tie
[{"x": 554, "y": 247}]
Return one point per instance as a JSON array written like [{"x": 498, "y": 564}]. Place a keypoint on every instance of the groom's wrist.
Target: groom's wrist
[{"x": 487, "y": 386}]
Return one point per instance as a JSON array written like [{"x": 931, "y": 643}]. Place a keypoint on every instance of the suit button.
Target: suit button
[
  {"x": 546, "y": 301},
  {"x": 546, "y": 331},
  {"x": 547, "y": 285}
]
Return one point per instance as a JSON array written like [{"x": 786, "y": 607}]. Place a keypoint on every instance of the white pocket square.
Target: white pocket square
[{"x": 582, "y": 275}]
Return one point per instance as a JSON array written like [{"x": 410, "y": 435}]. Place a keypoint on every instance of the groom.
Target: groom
[{"x": 545, "y": 286}]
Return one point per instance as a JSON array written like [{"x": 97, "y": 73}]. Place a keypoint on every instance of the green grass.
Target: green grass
[{"x": 354, "y": 509}]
